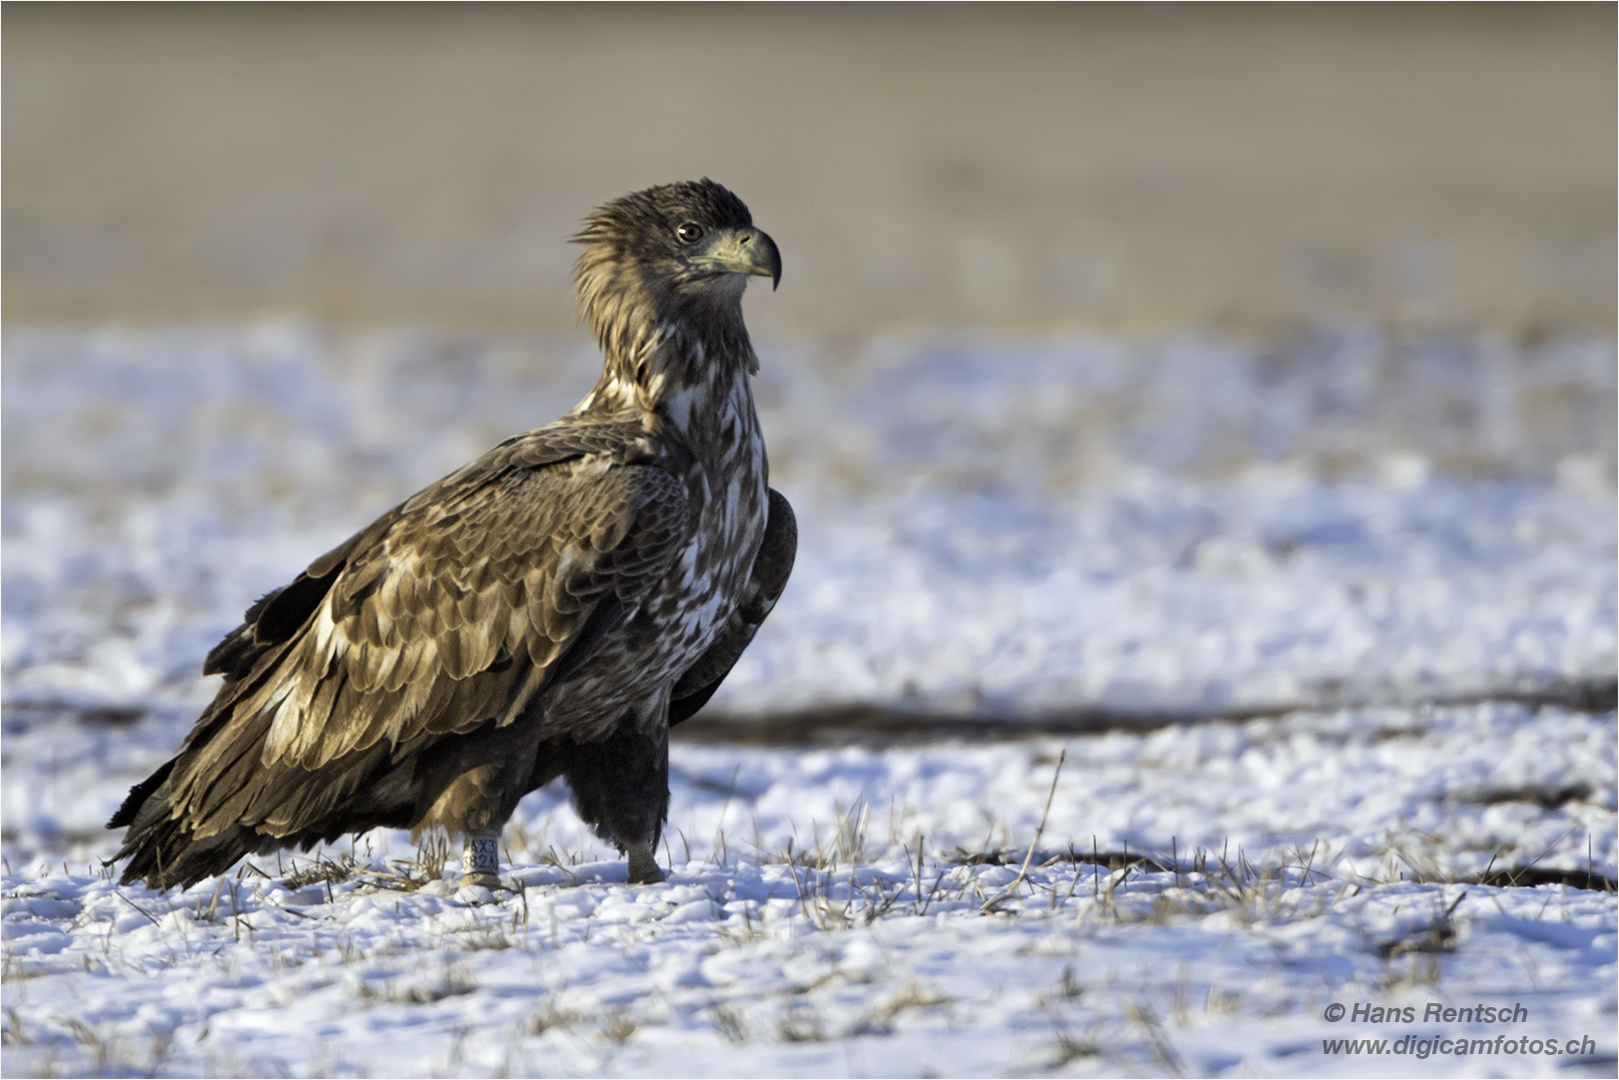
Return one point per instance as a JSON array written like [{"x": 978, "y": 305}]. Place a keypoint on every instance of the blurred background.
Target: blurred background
[
  {"x": 1027, "y": 168},
  {"x": 1227, "y": 309}
]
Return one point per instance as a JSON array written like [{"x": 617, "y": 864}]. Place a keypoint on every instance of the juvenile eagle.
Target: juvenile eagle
[{"x": 551, "y": 609}]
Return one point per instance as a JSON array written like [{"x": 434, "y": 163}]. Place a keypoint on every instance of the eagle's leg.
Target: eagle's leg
[
  {"x": 621, "y": 788},
  {"x": 480, "y": 860},
  {"x": 474, "y": 782},
  {"x": 644, "y": 869}
]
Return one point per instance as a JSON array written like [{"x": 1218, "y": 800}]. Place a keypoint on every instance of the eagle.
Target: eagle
[{"x": 551, "y": 609}]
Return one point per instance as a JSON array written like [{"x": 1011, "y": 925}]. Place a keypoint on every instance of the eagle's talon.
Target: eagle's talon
[
  {"x": 644, "y": 869},
  {"x": 480, "y": 889}
]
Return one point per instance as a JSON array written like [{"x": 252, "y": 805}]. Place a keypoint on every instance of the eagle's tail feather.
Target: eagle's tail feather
[
  {"x": 162, "y": 850},
  {"x": 220, "y": 789},
  {"x": 139, "y": 794}
]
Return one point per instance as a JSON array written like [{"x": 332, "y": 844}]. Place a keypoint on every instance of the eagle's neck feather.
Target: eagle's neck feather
[{"x": 679, "y": 369}]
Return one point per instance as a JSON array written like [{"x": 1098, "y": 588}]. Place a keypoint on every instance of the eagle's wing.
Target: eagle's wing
[
  {"x": 770, "y": 570},
  {"x": 451, "y": 610}
]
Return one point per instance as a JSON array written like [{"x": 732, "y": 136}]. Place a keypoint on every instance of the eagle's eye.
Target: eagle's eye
[{"x": 690, "y": 232}]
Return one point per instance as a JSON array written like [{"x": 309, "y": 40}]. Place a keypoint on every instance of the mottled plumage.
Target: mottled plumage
[{"x": 548, "y": 610}]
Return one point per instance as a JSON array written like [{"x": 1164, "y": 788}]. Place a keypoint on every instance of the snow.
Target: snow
[
  {"x": 852, "y": 961},
  {"x": 1330, "y": 611}
]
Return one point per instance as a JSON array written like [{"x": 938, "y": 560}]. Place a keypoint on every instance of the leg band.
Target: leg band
[{"x": 480, "y": 861}]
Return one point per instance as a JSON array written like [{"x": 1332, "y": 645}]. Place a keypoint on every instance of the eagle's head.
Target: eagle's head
[{"x": 668, "y": 253}]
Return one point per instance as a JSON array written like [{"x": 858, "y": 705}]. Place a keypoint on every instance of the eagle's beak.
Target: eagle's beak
[{"x": 746, "y": 251}]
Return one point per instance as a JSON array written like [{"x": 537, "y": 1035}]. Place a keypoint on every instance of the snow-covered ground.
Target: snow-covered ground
[
  {"x": 1314, "y": 599},
  {"x": 1011, "y": 529},
  {"x": 1318, "y": 856}
]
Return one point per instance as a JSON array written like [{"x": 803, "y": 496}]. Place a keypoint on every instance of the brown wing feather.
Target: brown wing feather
[{"x": 447, "y": 612}]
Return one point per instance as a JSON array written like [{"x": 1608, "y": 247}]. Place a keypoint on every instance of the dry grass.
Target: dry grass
[
  {"x": 800, "y": 1023},
  {"x": 729, "y": 1023},
  {"x": 554, "y": 1017},
  {"x": 619, "y": 1028}
]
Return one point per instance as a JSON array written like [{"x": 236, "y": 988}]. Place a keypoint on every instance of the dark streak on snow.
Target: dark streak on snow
[{"x": 885, "y": 725}]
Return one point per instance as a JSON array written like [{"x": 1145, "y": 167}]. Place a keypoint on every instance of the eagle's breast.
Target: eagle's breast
[
  {"x": 711, "y": 444},
  {"x": 726, "y": 474}
]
